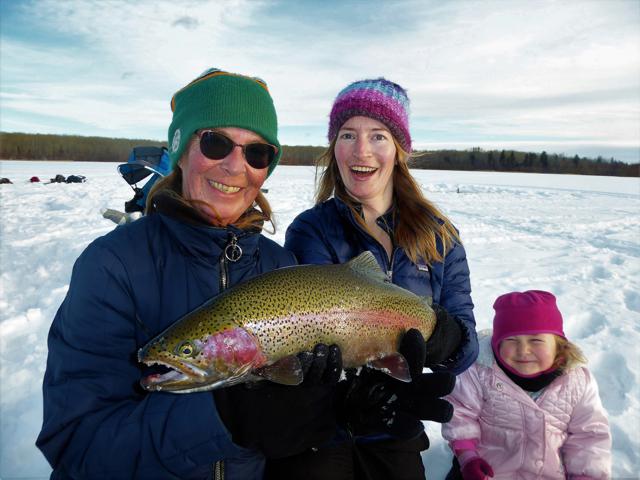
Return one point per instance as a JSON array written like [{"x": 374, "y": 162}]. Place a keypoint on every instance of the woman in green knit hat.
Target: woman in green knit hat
[
  {"x": 213, "y": 116},
  {"x": 201, "y": 235}
]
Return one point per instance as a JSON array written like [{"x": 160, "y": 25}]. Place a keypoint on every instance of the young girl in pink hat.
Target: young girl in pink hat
[{"x": 528, "y": 408}]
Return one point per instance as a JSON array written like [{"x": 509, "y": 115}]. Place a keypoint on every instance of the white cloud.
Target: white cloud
[{"x": 491, "y": 67}]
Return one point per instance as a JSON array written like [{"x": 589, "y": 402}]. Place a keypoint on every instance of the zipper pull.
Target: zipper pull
[
  {"x": 232, "y": 251},
  {"x": 390, "y": 265}
]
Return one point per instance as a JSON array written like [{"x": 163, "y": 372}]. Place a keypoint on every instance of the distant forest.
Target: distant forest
[{"x": 26, "y": 146}]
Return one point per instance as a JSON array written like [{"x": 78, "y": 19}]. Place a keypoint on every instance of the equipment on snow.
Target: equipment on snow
[
  {"x": 76, "y": 179},
  {"x": 142, "y": 163}
]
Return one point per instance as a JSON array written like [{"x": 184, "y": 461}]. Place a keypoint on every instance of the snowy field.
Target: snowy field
[{"x": 576, "y": 236}]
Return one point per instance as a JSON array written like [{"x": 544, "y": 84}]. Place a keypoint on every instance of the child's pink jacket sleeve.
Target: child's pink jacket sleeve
[
  {"x": 587, "y": 451},
  {"x": 466, "y": 399}
]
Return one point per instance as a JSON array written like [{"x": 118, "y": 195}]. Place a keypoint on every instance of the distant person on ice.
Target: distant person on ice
[
  {"x": 368, "y": 200},
  {"x": 202, "y": 234},
  {"x": 528, "y": 408}
]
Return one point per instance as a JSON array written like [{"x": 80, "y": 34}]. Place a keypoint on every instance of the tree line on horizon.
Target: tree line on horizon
[{"x": 30, "y": 146}]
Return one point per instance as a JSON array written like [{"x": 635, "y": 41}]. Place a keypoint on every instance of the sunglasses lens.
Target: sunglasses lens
[
  {"x": 259, "y": 155},
  {"x": 215, "y": 146}
]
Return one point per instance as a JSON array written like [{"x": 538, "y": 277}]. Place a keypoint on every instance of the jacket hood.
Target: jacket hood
[{"x": 485, "y": 354}]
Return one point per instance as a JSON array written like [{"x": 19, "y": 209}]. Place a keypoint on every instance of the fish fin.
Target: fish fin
[
  {"x": 366, "y": 264},
  {"x": 394, "y": 365},
  {"x": 254, "y": 378},
  {"x": 427, "y": 300},
  {"x": 287, "y": 371}
]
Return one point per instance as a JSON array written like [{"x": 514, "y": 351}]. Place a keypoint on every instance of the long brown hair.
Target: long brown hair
[
  {"x": 418, "y": 222},
  {"x": 171, "y": 185}
]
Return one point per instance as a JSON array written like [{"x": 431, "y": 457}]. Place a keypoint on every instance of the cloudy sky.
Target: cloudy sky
[{"x": 561, "y": 76}]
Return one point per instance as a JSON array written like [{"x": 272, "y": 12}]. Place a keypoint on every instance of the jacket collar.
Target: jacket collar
[
  {"x": 198, "y": 238},
  {"x": 485, "y": 353},
  {"x": 530, "y": 384},
  {"x": 386, "y": 221},
  {"x": 170, "y": 206}
]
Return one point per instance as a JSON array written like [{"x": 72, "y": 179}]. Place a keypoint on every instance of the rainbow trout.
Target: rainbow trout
[{"x": 255, "y": 329}]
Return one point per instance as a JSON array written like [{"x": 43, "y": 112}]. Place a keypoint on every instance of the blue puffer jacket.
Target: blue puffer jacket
[
  {"x": 328, "y": 233},
  {"x": 126, "y": 287}
]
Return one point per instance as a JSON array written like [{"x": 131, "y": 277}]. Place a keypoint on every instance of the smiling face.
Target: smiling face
[
  {"x": 365, "y": 154},
  {"x": 529, "y": 354},
  {"x": 229, "y": 185}
]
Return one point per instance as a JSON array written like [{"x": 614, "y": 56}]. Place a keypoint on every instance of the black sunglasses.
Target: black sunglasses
[{"x": 216, "y": 146}]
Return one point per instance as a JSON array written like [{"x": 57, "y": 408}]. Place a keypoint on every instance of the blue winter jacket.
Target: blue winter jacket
[
  {"x": 328, "y": 233},
  {"x": 126, "y": 287}
]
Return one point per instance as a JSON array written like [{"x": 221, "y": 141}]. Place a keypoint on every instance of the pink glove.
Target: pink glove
[{"x": 476, "y": 469}]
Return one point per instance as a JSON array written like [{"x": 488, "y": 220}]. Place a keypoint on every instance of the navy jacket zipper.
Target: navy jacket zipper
[
  {"x": 231, "y": 253},
  {"x": 388, "y": 261}
]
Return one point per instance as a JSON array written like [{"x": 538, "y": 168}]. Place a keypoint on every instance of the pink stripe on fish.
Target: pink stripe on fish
[{"x": 233, "y": 347}]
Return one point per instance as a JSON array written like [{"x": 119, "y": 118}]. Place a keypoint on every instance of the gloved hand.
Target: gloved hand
[
  {"x": 377, "y": 403},
  {"x": 323, "y": 366},
  {"x": 282, "y": 420},
  {"x": 476, "y": 469},
  {"x": 445, "y": 339}
]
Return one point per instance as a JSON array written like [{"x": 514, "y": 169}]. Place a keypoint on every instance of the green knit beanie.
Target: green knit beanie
[{"x": 218, "y": 99}]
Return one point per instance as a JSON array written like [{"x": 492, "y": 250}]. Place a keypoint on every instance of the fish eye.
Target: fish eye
[{"x": 186, "y": 349}]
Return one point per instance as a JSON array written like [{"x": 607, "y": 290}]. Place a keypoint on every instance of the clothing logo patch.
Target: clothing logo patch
[{"x": 175, "y": 143}]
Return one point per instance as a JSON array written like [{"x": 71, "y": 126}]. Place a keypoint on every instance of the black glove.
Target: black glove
[
  {"x": 445, "y": 338},
  {"x": 323, "y": 366},
  {"x": 281, "y": 420},
  {"x": 377, "y": 403}
]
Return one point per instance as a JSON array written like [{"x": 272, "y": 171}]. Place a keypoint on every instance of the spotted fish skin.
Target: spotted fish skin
[{"x": 257, "y": 327}]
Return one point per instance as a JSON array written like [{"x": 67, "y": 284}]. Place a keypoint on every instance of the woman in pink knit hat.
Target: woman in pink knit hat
[{"x": 528, "y": 407}]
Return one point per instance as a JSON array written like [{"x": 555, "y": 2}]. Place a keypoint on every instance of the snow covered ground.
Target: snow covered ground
[{"x": 576, "y": 236}]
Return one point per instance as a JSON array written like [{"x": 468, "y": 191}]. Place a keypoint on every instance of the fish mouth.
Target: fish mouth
[
  {"x": 183, "y": 377},
  {"x": 157, "y": 381},
  {"x": 180, "y": 375}
]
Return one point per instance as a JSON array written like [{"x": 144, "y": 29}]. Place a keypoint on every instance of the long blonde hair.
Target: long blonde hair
[
  {"x": 418, "y": 222},
  {"x": 171, "y": 185},
  {"x": 568, "y": 355}
]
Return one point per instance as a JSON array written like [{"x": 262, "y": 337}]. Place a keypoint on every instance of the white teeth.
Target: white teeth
[
  {"x": 224, "y": 188},
  {"x": 359, "y": 168}
]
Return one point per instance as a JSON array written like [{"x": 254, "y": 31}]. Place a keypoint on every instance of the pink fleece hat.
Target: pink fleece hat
[{"x": 525, "y": 313}]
